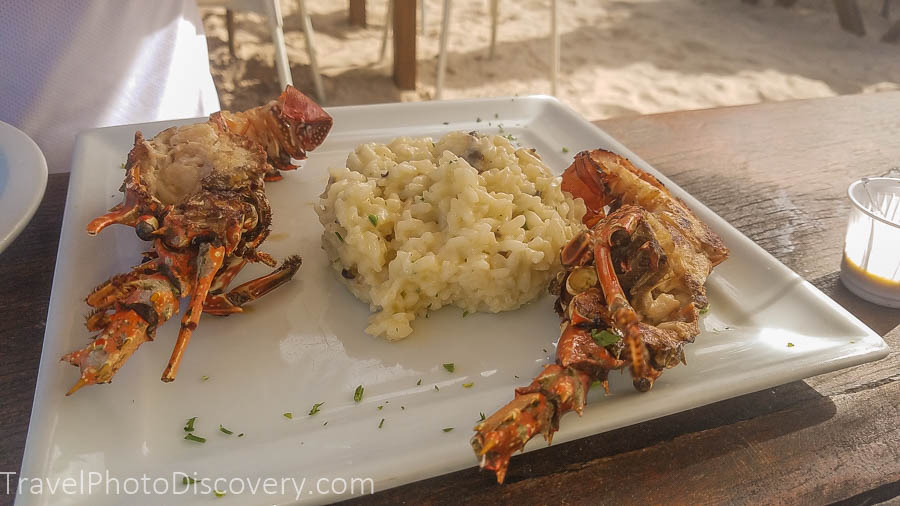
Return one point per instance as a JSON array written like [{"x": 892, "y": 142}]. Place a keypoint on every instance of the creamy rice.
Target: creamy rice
[{"x": 469, "y": 221}]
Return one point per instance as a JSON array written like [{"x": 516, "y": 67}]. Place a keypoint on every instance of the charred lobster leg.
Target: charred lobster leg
[
  {"x": 558, "y": 389},
  {"x": 224, "y": 304},
  {"x": 140, "y": 300},
  {"x": 209, "y": 260},
  {"x": 126, "y": 213},
  {"x": 623, "y": 315}
]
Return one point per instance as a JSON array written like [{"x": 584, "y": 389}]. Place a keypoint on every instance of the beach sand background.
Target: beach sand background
[{"x": 619, "y": 57}]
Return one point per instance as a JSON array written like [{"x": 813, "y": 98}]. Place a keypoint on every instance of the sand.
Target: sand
[{"x": 619, "y": 57}]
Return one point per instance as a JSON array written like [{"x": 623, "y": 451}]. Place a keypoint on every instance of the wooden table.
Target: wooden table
[{"x": 779, "y": 173}]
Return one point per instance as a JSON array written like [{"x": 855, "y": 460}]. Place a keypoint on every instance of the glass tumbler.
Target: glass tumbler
[{"x": 871, "y": 264}]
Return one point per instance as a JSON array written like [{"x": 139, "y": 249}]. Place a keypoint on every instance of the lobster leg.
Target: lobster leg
[
  {"x": 537, "y": 408},
  {"x": 141, "y": 301},
  {"x": 126, "y": 213},
  {"x": 230, "y": 268},
  {"x": 209, "y": 260},
  {"x": 224, "y": 304},
  {"x": 625, "y": 319}
]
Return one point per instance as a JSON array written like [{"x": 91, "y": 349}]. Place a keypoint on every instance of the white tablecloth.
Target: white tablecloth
[{"x": 68, "y": 65}]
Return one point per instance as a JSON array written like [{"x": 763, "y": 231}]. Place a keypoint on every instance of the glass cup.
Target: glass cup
[{"x": 871, "y": 264}]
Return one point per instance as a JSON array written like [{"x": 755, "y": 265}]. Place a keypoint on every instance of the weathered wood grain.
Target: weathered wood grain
[
  {"x": 26, "y": 273},
  {"x": 776, "y": 171}
]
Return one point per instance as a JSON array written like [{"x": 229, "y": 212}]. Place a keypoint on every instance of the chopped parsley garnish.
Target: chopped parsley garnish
[
  {"x": 790, "y": 345},
  {"x": 381, "y": 423},
  {"x": 496, "y": 115},
  {"x": 704, "y": 309},
  {"x": 358, "y": 393},
  {"x": 418, "y": 383},
  {"x": 338, "y": 234},
  {"x": 196, "y": 439},
  {"x": 204, "y": 378},
  {"x": 436, "y": 389},
  {"x": 482, "y": 416},
  {"x": 373, "y": 219},
  {"x": 189, "y": 426},
  {"x": 288, "y": 415},
  {"x": 446, "y": 122},
  {"x": 450, "y": 367},
  {"x": 187, "y": 480},
  {"x": 468, "y": 385},
  {"x": 465, "y": 313},
  {"x": 447, "y": 429},
  {"x": 219, "y": 494},
  {"x": 379, "y": 408},
  {"x": 224, "y": 430},
  {"x": 604, "y": 337},
  {"x": 315, "y": 408},
  {"x": 241, "y": 434},
  {"x": 402, "y": 407},
  {"x": 324, "y": 424}
]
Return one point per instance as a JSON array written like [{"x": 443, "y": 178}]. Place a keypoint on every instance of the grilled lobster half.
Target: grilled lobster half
[
  {"x": 630, "y": 296},
  {"x": 197, "y": 193}
]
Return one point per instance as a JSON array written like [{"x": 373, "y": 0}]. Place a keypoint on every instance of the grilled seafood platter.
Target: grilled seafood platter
[
  {"x": 627, "y": 260},
  {"x": 629, "y": 297},
  {"x": 196, "y": 193}
]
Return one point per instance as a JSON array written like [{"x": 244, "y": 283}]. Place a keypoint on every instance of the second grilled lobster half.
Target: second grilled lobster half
[{"x": 630, "y": 297}]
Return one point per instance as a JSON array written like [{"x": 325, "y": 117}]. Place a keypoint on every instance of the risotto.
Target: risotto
[{"x": 470, "y": 221}]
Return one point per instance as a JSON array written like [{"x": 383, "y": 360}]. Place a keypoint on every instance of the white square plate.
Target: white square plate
[{"x": 304, "y": 343}]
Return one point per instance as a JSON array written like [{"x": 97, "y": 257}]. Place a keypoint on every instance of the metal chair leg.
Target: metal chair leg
[
  {"x": 273, "y": 17},
  {"x": 229, "y": 28},
  {"x": 442, "y": 55},
  {"x": 422, "y": 16},
  {"x": 554, "y": 34},
  {"x": 388, "y": 22},
  {"x": 495, "y": 14},
  {"x": 311, "y": 51}
]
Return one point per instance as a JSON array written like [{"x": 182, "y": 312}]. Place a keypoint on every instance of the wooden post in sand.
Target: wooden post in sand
[
  {"x": 405, "y": 44},
  {"x": 358, "y": 13},
  {"x": 849, "y": 16},
  {"x": 893, "y": 35}
]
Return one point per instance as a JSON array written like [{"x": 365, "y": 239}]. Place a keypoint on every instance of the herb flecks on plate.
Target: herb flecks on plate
[{"x": 197, "y": 439}]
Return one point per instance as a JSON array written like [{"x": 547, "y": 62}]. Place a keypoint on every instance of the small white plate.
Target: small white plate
[
  {"x": 23, "y": 178},
  {"x": 304, "y": 343}
]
